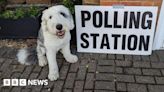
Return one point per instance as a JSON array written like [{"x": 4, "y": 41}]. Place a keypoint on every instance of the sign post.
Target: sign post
[{"x": 107, "y": 29}]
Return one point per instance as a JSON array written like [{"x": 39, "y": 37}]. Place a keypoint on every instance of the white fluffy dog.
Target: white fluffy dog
[{"x": 54, "y": 35}]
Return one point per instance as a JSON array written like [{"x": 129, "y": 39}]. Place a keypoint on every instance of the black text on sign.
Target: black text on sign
[{"x": 129, "y": 30}]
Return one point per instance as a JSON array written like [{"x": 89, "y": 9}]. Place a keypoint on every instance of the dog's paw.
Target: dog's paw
[
  {"x": 53, "y": 76},
  {"x": 72, "y": 59},
  {"x": 42, "y": 62}
]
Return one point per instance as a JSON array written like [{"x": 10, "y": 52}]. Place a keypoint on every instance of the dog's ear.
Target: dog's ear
[
  {"x": 72, "y": 25},
  {"x": 44, "y": 15},
  {"x": 44, "y": 19}
]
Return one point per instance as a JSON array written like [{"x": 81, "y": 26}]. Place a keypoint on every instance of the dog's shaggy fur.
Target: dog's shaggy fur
[{"x": 53, "y": 36}]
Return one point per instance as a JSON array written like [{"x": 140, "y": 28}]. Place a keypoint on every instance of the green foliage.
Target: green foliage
[
  {"x": 7, "y": 14},
  {"x": 69, "y": 4},
  {"x": 2, "y": 1},
  {"x": 33, "y": 11},
  {"x": 20, "y": 13}
]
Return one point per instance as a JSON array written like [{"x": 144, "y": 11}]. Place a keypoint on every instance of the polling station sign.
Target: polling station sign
[{"x": 116, "y": 30}]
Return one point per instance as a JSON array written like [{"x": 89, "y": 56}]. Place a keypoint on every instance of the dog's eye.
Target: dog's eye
[
  {"x": 50, "y": 17},
  {"x": 63, "y": 14}
]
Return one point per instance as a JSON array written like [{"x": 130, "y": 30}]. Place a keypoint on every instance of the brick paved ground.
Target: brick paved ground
[{"x": 93, "y": 73}]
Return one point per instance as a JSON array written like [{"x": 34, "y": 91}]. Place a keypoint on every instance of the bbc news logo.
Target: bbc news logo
[{"x": 24, "y": 82}]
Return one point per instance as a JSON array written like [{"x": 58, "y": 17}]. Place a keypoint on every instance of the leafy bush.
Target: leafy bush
[
  {"x": 20, "y": 13},
  {"x": 69, "y": 4},
  {"x": 33, "y": 11},
  {"x": 2, "y": 1}
]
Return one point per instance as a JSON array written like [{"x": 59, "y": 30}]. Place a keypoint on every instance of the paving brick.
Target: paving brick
[
  {"x": 74, "y": 67},
  {"x": 162, "y": 71},
  {"x": 5, "y": 89},
  {"x": 88, "y": 91},
  {"x": 89, "y": 83},
  {"x": 111, "y": 56},
  {"x": 33, "y": 76},
  {"x": 26, "y": 90},
  {"x": 157, "y": 64},
  {"x": 11, "y": 53},
  {"x": 145, "y": 79},
  {"x": 81, "y": 73},
  {"x": 1, "y": 61},
  {"x": 121, "y": 87},
  {"x": 104, "y": 85},
  {"x": 3, "y": 51},
  {"x": 63, "y": 72},
  {"x": 50, "y": 84},
  {"x": 96, "y": 56},
  {"x": 67, "y": 90},
  {"x": 27, "y": 72},
  {"x": 103, "y": 56},
  {"x": 0, "y": 75},
  {"x": 84, "y": 62},
  {"x": 106, "y": 69},
  {"x": 70, "y": 80},
  {"x": 58, "y": 86},
  {"x": 64, "y": 62},
  {"x": 46, "y": 90},
  {"x": 59, "y": 55},
  {"x": 16, "y": 89},
  {"x": 105, "y": 76},
  {"x": 92, "y": 66},
  {"x": 16, "y": 75},
  {"x": 123, "y": 63},
  {"x": 154, "y": 57},
  {"x": 37, "y": 69},
  {"x": 78, "y": 86},
  {"x": 15, "y": 62},
  {"x": 136, "y": 88},
  {"x": 94, "y": 72},
  {"x": 103, "y": 91},
  {"x": 18, "y": 68},
  {"x": 119, "y": 57},
  {"x": 43, "y": 74},
  {"x": 38, "y": 89},
  {"x": 87, "y": 55},
  {"x": 106, "y": 62},
  {"x": 145, "y": 58},
  {"x": 128, "y": 57},
  {"x": 156, "y": 88},
  {"x": 151, "y": 72},
  {"x": 119, "y": 70},
  {"x": 6, "y": 64},
  {"x": 142, "y": 64},
  {"x": 160, "y": 55},
  {"x": 6, "y": 74},
  {"x": 136, "y": 58},
  {"x": 159, "y": 80},
  {"x": 135, "y": 71},
  {"x": 125, "y": 78}
]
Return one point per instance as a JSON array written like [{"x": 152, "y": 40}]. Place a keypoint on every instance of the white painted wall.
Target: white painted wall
[{"x": 159, "y": 37}]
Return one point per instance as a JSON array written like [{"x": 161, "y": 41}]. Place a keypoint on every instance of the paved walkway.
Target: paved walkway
[{"x": 93, "y": 73}]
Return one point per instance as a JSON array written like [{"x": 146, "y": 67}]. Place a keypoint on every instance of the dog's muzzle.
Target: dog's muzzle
[{"x": 60, "y": 34}]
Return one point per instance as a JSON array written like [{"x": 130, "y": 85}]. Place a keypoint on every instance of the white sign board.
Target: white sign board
[{"x": 116, "y": 30}]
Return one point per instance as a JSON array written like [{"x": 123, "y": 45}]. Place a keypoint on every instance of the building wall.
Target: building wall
[
  {"x": 31, "y": 1},
  {"x": 125, "y": 2},
  {"x": 132, "y": 2},
  {"x": 157, "y": 3}
]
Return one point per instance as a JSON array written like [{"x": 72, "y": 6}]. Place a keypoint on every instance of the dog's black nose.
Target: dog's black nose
[{"x": 59, "y": 26}]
